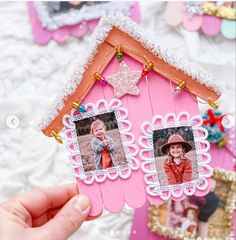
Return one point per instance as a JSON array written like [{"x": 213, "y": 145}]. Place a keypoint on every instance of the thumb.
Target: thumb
[{"x": 68, "y": 219}]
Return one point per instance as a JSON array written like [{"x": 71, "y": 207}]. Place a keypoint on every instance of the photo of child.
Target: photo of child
[
  {"x": 205, "y": 217},
  {"x": 188, "y": 222},
  {"x": 177, "y": 167},
  {"x": 103, "y": 146},
  {"x": 100, "y": 142},
  {"x": 194, "y": 213},
  {"x": 175, "y": 156},
  {"x": 183, "y": 216}
]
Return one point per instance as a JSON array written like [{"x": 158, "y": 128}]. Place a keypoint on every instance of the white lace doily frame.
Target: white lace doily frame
[
  {"x": 202, "y": 146},
  {"x": 86, "y": 13},
  {"x": 127, "y": 140}
]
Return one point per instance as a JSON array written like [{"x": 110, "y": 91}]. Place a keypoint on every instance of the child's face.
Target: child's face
[
  {"x": 176, "y": 150},
  {"x": 99, "y": 131},
  {"x": 190, "y": 215}
]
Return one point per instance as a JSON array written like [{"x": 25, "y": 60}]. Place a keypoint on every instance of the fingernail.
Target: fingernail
[{"x": 81, "y": 203}]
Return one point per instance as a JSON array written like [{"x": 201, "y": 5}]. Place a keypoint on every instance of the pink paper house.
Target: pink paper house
[{"x": 147, "y": 89}]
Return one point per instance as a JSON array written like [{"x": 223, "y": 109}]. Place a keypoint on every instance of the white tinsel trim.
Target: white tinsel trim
[{"x": 134, "y": 30}]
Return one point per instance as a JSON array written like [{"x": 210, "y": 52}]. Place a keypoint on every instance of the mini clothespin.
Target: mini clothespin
[
  {"x": 119, "y": 53},
  {"x": 212, "y": 103},
  {"x": 100, "y": 78},
  {"x": 179, "y": 88},
  {"x": 57, "y": 137},
  {"x": 222, "y": 143},
  {"x": 79, "y": 107},
  {"x": 147, "y": 69}
]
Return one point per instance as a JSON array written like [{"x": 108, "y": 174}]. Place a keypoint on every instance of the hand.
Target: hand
[
  {"x": 106, "y": 142},
  {"x": 51, "y": 214}
]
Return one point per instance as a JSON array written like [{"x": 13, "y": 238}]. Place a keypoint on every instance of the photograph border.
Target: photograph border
[
  {"x": 202, "y": 146},
  {"x": 127, "y": 140},
  {"x": 219, "y": 174}
]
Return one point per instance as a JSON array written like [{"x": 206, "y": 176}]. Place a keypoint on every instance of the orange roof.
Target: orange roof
[{"x": 111, "y": 32}]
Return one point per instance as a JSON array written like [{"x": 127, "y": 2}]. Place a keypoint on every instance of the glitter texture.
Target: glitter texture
[{"x": 124, "y": 81}]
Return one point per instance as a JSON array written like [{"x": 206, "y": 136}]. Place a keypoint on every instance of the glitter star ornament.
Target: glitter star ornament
[{"x": 125, "y": 81}]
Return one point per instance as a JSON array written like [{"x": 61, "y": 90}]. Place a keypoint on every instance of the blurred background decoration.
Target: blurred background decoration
[
  {"x": 221, "y": 130},
  {"x": 58, "y": 20},
  {"x": 212, "y": 18}
]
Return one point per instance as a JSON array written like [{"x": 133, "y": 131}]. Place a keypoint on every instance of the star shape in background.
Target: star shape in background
[{"x": 124, "y": 81}]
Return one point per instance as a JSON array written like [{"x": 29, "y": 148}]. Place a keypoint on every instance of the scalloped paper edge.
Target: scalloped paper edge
[{"x": 127, "y": 139}]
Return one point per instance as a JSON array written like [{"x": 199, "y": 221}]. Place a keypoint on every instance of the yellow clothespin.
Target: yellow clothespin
[
  {"x": 179, "y": 88},
  {"x": 57, "y": 137}
]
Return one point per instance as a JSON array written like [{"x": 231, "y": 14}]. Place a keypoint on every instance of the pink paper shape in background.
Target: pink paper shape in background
[
  {"x": 42, "y": 36},
  {"x": 211, "y": 26},
  {"x": 174, "y": 13},
  {"x": 192, "y": 22}
]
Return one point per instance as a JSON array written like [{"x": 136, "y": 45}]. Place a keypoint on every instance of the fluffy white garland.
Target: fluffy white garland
[
  {"x": 153, "y": 186},
  {"x": 86, "y": 13},
  {"x": 127, "y": 139},
  {"x": 133, "y": 29}
]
